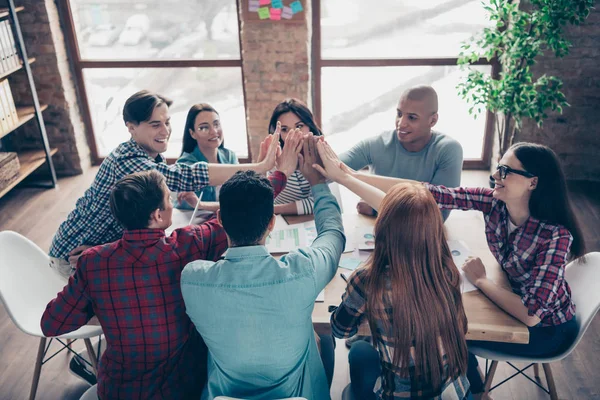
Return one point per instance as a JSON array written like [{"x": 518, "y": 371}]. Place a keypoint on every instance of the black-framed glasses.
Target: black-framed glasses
[{"x": 505, "y": 170}]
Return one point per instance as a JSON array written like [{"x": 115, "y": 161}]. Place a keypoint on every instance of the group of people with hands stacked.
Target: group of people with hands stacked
[{"x": 206, "y": 311}]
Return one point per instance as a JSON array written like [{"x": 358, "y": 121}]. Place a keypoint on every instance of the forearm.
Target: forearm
[
  {"x": 286, "y": 209},
  {"x": 372, "y": 195},
  {"x": 508, "y": 301},
  {"x": 384, "y": 183},
  {"x": 219, "y": 173},
  {"x": 212, "y": 206}
]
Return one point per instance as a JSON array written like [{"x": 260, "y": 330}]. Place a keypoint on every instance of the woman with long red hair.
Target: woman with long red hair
[{"x": 421, "y": 350}]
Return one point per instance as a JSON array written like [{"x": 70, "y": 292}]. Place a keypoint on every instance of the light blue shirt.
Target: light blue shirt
[
  {"x": 254, "y": 313},
  {"x": 439, "y": 162}
]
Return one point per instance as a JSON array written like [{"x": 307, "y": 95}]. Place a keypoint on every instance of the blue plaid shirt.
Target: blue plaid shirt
[{"x": 91, "y": 222}]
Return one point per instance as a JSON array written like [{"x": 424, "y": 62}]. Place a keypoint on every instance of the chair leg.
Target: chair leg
[
  {"x": 550, "y": 381},
  {"x": 38, "y": 368},
  {"x": 536, "y": 372},
  {"x": 92, "y": 355},
  {"x": 490, "y": 377}
]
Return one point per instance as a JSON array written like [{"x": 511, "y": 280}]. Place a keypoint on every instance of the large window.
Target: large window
[
  {"x": 187, "y": 50},
  {"x": 366, "y": 54}
]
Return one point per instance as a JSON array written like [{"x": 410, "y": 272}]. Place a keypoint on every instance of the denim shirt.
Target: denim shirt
[{"x": 254, "y": 313}]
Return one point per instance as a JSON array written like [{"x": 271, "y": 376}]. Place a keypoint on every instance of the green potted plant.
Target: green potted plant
[{"x": 519, "y": 33}]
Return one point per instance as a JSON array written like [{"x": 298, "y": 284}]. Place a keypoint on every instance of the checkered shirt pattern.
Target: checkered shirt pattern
[
  {"x": 91, "y": 222},
  {"x": 534, "y": 256},
  {"x": 133, "y": 287},
  {"x": 394, "y": 383}
]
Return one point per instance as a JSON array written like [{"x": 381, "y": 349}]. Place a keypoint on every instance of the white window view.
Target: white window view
[
  {"x": 360, "y": 102},
  {"x": 159, "y": 31}
]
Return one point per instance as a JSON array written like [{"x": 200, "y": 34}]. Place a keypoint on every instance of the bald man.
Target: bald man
[{"x": 412, "y": 150}]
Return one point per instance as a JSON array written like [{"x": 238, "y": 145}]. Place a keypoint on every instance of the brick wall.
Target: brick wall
[
  {"x": 55, "y": 85},
  {"x": 574, "y": 134},
  {"x": 275, "y": 65}
]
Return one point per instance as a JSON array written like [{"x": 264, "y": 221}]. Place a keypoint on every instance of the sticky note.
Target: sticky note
[
  {"x": 350, "y": 263},
  {"x": 275, "y": 14},
  {"x": 263, "y": 13},
  {"x": 296, "y": 7},
  {"x": 253, "y": 5},
  {"x": 265, "y": 2},
  {"x": 287, "y": 13},
  {"x": 277, "y": 4}
]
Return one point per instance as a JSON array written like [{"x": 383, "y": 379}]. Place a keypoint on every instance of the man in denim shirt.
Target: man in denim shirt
[{"x": 254, "y": 311}]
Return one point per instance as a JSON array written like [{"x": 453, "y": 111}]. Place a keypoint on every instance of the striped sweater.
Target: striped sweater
[{"x": 297, "y": 190}]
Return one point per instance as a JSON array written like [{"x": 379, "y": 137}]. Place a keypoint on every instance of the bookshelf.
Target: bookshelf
[{"x": 18, "y": 62}]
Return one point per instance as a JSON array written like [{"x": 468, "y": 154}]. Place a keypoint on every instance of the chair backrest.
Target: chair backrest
[
  {"x": 27, "y": 283},
  {"x": 90, "y": 394},
  {"x": 583, "y": 279}
]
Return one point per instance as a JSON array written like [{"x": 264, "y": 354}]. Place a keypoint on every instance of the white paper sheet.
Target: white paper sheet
[{"x": 460, "y": 253}]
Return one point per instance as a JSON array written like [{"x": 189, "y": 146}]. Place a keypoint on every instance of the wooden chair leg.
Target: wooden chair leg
[
  {"x": 536, "y": 372},
  {"x": 550, "y": 381},
  {"x": 38, "y": 368},
  {"x": 92, "y": 355},
  {"x": 490, "y": 377}
]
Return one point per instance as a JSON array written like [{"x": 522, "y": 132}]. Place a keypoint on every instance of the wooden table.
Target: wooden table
[{"x": 486, "y": 320}]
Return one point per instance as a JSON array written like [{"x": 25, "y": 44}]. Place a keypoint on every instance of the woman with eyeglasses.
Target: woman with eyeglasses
[
  {"x": 203, "y": 141},
  {"x": 532, "y": 232}
]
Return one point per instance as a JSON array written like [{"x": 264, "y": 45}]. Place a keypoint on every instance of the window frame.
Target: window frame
[
  {"x": 317, "y": 63},
  {"x": 78, "y": 65}
]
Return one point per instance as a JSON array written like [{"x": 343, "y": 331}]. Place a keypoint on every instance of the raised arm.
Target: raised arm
[{"x": 338, "y": 172}]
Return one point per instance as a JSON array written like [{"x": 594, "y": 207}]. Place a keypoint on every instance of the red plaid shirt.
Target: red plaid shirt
[
  {"x": 533, "y": 256},
  {"x": 133, "y": 287}
]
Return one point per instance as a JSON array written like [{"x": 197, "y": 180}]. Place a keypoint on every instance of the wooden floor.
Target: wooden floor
[{"x": 37, "y": 213}]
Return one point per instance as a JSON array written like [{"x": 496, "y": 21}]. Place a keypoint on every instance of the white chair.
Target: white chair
[
  {"x": 235, "y": 398},
  {"x": 90, "y": 394},
  {"x": 27, "y": 284},
  {"x": 583, "y": 280}
]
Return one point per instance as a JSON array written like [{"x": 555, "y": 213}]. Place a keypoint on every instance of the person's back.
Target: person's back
[
  {"x": 132, "y": 287},
  {"x": 254, "y": 311},
  {"x": 410, "y": 296}
]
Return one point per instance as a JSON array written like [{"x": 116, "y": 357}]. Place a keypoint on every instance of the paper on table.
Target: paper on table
[
  {"x": 286, "y": 240},
  {"x": 460, "y": 253},
  {"x": 321, "y": 297},
  {"x": 311, "y": 235}
]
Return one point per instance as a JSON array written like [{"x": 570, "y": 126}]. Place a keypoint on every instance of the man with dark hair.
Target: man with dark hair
[
  {"x": 132, "y": 287},
  {"x": 254, "y": 311}
]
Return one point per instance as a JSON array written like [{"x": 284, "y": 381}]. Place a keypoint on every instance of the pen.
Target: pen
[{"x": 343, "y": 277}]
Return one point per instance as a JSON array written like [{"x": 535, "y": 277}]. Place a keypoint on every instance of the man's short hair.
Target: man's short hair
[
  {"x": 140, "y": 106},
  {"x": 246, "y": 202},
  {"x": 136, "y": 196}
]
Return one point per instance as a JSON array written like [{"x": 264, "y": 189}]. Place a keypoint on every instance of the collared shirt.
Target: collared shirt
[
  {"x": 91, "y": 222},
  {"x": 133, "y": 287},
  {"x": 533, "y": 256},
  {"x": 394, "y": 383},
  {"x": 254, "y": 313},
  {"x": 209, "y": 193}
]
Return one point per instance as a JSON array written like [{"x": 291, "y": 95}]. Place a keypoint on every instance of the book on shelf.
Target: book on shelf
[
  {"x": 9, "y": 56},
  {"x": 8, "y": 111}
]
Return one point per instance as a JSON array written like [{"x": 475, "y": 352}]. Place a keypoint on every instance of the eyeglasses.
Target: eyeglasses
[{"x": 505, "y": 170}]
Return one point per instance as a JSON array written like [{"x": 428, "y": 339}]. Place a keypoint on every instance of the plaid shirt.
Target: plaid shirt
[
  {"x": 394, "y": 383},
  {"x": 133, "y": 287},
  {"x": 92, "y": 223},
  {"x": 533, "y": 256}
]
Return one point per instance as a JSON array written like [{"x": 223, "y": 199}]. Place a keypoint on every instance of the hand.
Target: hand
[
  {"x": 76, "y": 253},
  {"x": 287, "y": 161},
  {"x": 187, "y": 197},
  {"x": 308, "y": 159},
  {"x": 332, "y": 167},
  {"x": 474, "y": 270},
  {"x": 269, "y": 151},
  {"x": 363, "y": 208}
]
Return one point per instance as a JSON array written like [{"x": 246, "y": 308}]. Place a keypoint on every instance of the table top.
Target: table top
[{"x": 486, "y": 321}]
